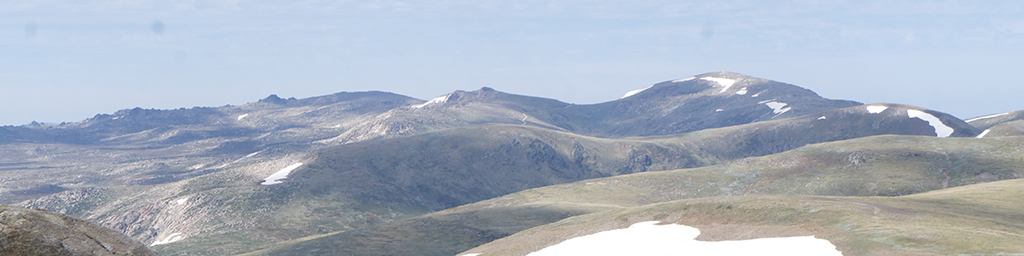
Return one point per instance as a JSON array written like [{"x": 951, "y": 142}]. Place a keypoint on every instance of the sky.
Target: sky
[{"x": 64, "y": 60}]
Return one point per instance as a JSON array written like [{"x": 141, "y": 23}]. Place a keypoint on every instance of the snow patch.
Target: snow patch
[
  {"x": 941, "y": 130},
  {"x": 181, "y": 201},
  {"x": 982, "y": 135},
  {"x": 724, "y": 82},
  {"x": 684, "y": 79},
  {"x": 719, "y": 110},
  {"x": 437, "y": 100},
  {"x": 755, "y": 95},
  {"x": 876, "y": 109},
  {"x": 280, "y": 175},
  {"x": 197, "y": 167},
  {"x": 821, "y": 118},
  {"x": 646, "y": 238},
  {"x": 169, "y": 239},
  {"x": 631, "y": 93},
  {"x": 242, "y": 116},
  {"x": 777, "y": 107},
  {"x": 742, "y": 91},
  {"x": 986, "y": 117}
]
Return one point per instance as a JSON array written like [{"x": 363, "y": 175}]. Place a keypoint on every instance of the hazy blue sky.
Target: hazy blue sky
[{"x": 63, "y": 60}]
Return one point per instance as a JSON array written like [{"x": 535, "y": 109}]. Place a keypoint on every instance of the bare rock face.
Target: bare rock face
[{"x": 35, "y": 232}]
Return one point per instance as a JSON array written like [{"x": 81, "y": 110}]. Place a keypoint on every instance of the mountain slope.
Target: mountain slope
[
  {"x": 367, "y": 183},
  {"x": 988, "y": 121},
  {"x": 171, "y": 127},
  {"x": 873, "y": 166},
  {"x": 709, "y": 100},
  {"x": 1011, "y": 128},
  {"x": 975, "y": 219},
  {"x": 360, "y": 160},
  {"x": 671, "y": 107}
]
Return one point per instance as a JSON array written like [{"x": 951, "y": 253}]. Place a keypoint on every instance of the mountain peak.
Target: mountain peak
[{"x": 274, "y": 99}]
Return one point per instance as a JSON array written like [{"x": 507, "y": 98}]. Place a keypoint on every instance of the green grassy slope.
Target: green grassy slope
[
  {"x": 1011, "y": 128},
  {"x": 982, "y": 219}
]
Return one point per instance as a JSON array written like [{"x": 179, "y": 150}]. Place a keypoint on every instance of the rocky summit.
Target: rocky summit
[{"x": 35, "y": 232}]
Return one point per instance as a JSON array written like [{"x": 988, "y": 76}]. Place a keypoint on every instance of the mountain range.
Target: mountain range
[{"x": 483, "y": 171}]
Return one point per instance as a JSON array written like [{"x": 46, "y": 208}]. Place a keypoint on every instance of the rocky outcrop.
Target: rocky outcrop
[{"x": 36, "y": 232}]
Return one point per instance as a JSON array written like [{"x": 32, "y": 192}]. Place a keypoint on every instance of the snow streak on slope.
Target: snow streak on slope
[
  {"x": 742, "y": 91},
  {"x": 437, "y": 100},
  {"x": 280, "y": 175},
  {"x": 631, "y": 93},
  {"x": 242, "y": 116},
  {"x": 683, "y": 80},
  {"x": 724, "y": 82},
  {"x": 986, "y": 117},
  {"x": 876, "y": 109},
  {"x": 941, "y": 130},
  {"x": 982, "y": 135},
  {"x": 646, "y": 238}
]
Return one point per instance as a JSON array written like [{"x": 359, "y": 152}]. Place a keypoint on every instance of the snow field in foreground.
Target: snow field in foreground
[{"x": 646, "y": 238}]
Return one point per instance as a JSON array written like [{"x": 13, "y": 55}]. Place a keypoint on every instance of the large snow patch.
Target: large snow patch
[
  {"x": 742, "y": 91},
  {"x": 876, "y": 109},
  {"x": 280, "y": 175},
  {"x": 648, "y": 239},
  {"x": 777, "y": 107},
  {"x": 941, "y": 130},
  {"x": 437, "y": 100},
  {"x": 724, "y": 82}
]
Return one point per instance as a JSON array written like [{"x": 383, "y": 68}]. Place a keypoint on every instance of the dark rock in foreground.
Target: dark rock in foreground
[{"x": 35, "y": 232}]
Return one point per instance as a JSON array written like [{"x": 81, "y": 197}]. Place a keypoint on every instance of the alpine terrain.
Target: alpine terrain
[{"x": 703, "y": 164}]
